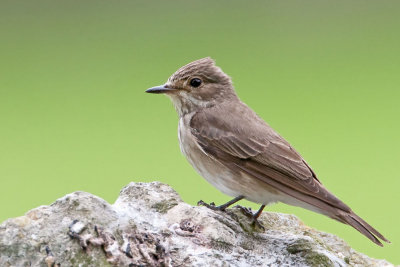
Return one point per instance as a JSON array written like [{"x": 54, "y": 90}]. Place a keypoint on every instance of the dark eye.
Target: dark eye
[{"x": 195, "y": 82}]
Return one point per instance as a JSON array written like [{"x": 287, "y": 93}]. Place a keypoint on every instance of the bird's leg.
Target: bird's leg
[
  {"x": 254, "y": 216},
  {"x": 221, "y": 207}
]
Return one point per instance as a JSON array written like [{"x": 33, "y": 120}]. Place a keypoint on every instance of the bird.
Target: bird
[{"x": 237, "y": 152}]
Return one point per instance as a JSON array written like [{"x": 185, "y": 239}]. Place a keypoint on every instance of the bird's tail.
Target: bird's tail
[{"x": 362, "y": 226}]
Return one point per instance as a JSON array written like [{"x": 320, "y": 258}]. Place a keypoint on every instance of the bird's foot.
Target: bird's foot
[
  {"x": 253, "y": 216},
  {"x": 222, "y": 207},
  {"x": 211, "y": 206},
  {"x": 256, "y": 224},
  {"x": 246, "y": 211}
]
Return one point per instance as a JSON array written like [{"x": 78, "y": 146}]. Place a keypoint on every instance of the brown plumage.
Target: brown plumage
[{"x": 240, "y": 154}]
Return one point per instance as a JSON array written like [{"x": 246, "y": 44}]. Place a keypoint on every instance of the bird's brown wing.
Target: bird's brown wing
[{"x": 256, "y": 149}]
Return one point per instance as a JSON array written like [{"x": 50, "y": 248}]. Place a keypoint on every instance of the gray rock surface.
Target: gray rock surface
[{"x": 149, "y": 225}]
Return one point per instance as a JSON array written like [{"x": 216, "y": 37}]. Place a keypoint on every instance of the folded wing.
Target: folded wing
[{"x": 256, "y": 149}]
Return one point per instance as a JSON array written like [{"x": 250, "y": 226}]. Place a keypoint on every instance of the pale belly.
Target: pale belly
[{"x": 227, "y": 181}]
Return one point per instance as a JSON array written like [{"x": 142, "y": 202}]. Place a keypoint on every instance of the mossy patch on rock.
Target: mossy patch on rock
[
  {"x": 164, "y": 206},
  {"x": 316, "y": 259},
  {"x": 306, "y": 249},
  {"x": 299, "y": 245}
]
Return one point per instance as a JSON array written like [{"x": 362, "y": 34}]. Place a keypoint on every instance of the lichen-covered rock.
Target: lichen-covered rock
[{"x": 149, "y": 225}]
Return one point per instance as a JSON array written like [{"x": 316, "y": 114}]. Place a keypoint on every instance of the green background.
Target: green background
[{"x": 74, "y": 115}]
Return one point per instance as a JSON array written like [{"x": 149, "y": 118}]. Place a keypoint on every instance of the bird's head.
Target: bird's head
[{"x": 197, "y": 85}]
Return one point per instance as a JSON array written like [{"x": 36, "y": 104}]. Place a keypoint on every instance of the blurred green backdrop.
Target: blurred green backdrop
[{"x": 74, "y": 115}]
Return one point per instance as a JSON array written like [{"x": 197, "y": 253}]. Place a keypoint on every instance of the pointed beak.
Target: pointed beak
[{"x": 161, "y": 89}]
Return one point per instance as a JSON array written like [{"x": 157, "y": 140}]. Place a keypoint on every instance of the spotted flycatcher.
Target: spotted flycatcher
[{"x": 240, "y": 154}]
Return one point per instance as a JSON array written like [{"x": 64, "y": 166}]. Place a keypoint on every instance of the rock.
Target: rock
[{"x": 149, "y": 225}]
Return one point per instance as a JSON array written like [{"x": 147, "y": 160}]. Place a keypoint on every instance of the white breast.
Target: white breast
[{"x": 214, "y": 172}]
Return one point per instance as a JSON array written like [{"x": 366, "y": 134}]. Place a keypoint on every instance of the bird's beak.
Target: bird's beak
[{"x": 161, "y": 89}]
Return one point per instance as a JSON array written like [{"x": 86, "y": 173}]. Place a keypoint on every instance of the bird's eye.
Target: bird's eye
[{"x": 195, "y": 82}]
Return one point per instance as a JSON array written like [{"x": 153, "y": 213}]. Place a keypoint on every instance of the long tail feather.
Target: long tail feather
[{"x": 362, "y": 226}]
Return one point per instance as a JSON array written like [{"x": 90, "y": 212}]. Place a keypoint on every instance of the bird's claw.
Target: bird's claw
[
  {"x": 248, "y": 213},
  {"x": 256, "y": 224},
  {"x": 211, "y": 206}
]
